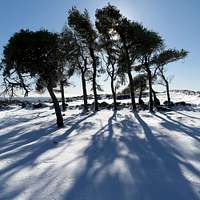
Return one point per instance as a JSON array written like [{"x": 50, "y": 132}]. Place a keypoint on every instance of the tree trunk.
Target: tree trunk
[
  {"x": 96, "y": 107},
  {"x": 167, "y": 88},
  {"x": 150, "y": 90},
  {"x": 113, "y": 94},
  {"x": 23, "y": 85},
  {"x": 128, "y": 62},
  {"x": 84, "y": 91},
  {"x": 56, "y": 107},
  {"x": 94, "y": 84},
  {"x": 156, "y": 100},
  {"x": 62, "y": 95},
  {"x": 132, "y": 92},
  {"x": 140, "y": 97},
  {"x": 168, "y": 94}
]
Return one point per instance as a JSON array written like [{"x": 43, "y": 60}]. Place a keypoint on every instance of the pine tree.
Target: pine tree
[
  {"x": 109, "y": 44},
  {"x": 82, "y": 25},
  {"x": 127, "y": 32},
  {"x": 78, "y": 61},
  {"x": 164, "y": 58},
  {"x": 35, "y": 54},
  {"x": 150, "y": 44}
]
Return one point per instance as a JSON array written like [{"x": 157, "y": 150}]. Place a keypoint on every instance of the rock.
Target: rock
[
  {"x": 180, "y": 103},
  {"x": 163, "y": 108},
  {"x": 170, "y": 104},
  {"x": 37, "y": 105},
  {"x": 26, "y": 104},
  {"x": 104, "y": 105},
  {"x": 121, "y": 97}
]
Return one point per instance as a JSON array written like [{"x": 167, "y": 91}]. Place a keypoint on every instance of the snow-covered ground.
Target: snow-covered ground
[
  {"x": 101, "y": 156},
  {"x": 175, "y": 97}
]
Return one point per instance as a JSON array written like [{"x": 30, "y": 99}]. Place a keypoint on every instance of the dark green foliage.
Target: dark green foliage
[
  {"x": 35, "y": 54},
  {"x": 81, "y": 23},
  {"x": 107, "y": 19},
  {"x": 168, "y": 56}
]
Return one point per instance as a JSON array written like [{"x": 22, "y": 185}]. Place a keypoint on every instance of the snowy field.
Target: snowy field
[{"x": 101, "y": 156}]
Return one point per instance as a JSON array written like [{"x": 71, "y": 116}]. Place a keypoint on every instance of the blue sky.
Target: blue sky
[{"x": 177, "y": 21}]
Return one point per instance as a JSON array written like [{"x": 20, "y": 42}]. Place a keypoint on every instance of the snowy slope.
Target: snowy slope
[{"x": 100, "y": 156}]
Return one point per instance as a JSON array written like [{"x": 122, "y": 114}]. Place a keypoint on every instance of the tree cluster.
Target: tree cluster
[{"x": 124, "y": 49}]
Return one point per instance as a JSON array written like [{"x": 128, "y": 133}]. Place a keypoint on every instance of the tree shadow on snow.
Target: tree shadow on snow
[
  {"x": 172, "y": 124},
  {"x": 26, "y": 146},
  {"x": 17, "y": 120},
  {"x": 125, "y": 160},
  {"x": 129, "y": 166},
  {"x": 186, "y": 115},
  {"x": 75, "y": 125}
]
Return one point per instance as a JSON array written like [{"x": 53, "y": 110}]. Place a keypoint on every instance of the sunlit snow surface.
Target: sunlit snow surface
[{"x": 101, "y": 156}]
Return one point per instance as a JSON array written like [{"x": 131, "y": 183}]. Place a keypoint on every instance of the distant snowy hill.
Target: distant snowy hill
[{"x": 177, "y": 95}]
